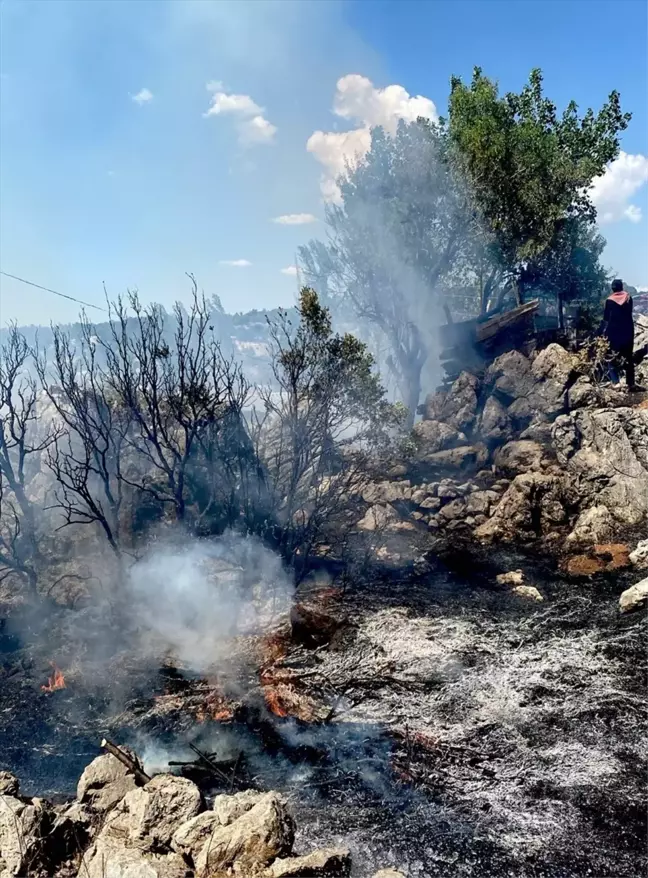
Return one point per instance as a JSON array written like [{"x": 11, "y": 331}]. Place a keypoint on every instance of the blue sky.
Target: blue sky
[{"x": 142, "y": 140}]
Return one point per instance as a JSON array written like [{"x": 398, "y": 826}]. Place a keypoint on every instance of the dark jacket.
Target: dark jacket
[{"x": 618, "y": 326}]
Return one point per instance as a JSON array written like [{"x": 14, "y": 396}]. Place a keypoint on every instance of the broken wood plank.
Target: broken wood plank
[{"x": 502, "y": 321}]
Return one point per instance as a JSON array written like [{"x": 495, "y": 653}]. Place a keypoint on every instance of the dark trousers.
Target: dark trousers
[{"x": 623, "y": 360}]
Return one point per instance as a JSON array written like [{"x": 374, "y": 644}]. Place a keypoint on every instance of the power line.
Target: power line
[{"x": 47, "y": 290}]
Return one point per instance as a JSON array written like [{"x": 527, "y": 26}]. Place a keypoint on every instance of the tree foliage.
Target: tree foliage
[
  {"x": 529, "y": 170},
  {"x": 494, "y": 198}
]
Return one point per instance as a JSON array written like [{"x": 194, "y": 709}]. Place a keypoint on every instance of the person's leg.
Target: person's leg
[{"x": 630, "y": 370}]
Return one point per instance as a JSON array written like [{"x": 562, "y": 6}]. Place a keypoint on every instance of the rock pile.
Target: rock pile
[
  {"x": 162, "y": 829},
  {"x": 530, "y": 453}
]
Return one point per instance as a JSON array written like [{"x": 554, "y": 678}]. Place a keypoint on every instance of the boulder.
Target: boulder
[
  {"x": 639, "y": 555},
  {"x": 147, "y": 817},
  {"x": 452, "y": 510},
  {"x": 594, "y": 525},
  {"x": 9, "y": 784},
  {"x": 532, "y": 507},
  {"x": 635, "y": 597},
  {"x": 190, "y": 837},
  {"x": 509, "y": 376},
  {"x": 105, "y": 781},
  {"x": 253, "y": 840},
  {"x": 529, "y": 592},
  {"x": 494, "y": 423},
  {"x": 387, "y": 491},
  {"x": 465, "y": 458},
  {"x": 24, "y": 827},
  {"x": 553, "y": 371},
  {"x": 480, "y": 502},
  {"x": 460, "y": 406},
  {"x": 605, "y": 451},
  {"x": 378, "y": 517},
  {"x": 581, "y": 394},
  {"x": 110, "y": 858},
  {"x": 432, "y": 408},
  {"x": 513, "y": 577},
  {"x": 520, "y": 456},
  {"x": 326, "y": 863},
  {"x": 431, "y": 436},
  {"x": 389, "y": 873}
]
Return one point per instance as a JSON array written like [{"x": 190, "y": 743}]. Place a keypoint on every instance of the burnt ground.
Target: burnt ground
[{"x": 469, "y": 732}]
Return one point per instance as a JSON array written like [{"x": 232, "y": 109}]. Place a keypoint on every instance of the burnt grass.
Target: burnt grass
[{"x": 471, "y": 733}]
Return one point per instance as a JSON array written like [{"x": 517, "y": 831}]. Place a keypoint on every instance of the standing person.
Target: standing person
[{"x": 618, "y": 329}]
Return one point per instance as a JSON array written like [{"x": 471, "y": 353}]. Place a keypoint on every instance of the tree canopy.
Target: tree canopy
[{"x": 493, "y": 199}]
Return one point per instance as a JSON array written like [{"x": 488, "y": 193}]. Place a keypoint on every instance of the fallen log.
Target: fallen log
[{"x": 126, "y": 760}]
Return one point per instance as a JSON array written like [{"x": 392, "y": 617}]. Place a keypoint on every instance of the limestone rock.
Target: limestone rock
[
  {"x": 105, "y": 781},
  {"x": 431, "y": 436},
  {"x": 190, "y": 837},
  {"x": 389, "y": 873},
  {"x": 521, "y": 456},
  {"x": 635, "y": 597},
  {"x": 460, "y": 405},
  {"x": 326, "y": 863},
  {"x": 387, "y": 492},
  {"x": 147, "y": 817},
  {"x": 465, "y": 458},
  {"x": 528, "y": 591},
  {"x": 513, "y": 577},
  {"x": 378, "y": 517},
  {"x": 432, "y": 408},
  {"x": 639, "y": 556},
  {"x": 254, "y": 839},
  {"x": 510, "y": 376},
  {"x": 9, "y": 784},
  {"x": 594, "y": 525},
  {"x": 452, "y": 510},
  {"x": 23, "y": 828},
  {"x": 110, "y": 858},
  {"x": 494, "y": 423},
  {"x": 581, "y": 394},
  {"x": 532, "y": 506},
  {"x": 605, "y": 451}
]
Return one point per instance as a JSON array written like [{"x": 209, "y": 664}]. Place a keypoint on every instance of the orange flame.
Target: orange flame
[{"x": 56, "y": 681}]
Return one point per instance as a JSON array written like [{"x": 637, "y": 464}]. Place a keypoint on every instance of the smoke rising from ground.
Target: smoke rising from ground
[{"x": 188, "y": 599}]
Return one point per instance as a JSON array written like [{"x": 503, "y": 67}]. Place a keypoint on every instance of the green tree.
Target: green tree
[{"x": 529, "y": 170}]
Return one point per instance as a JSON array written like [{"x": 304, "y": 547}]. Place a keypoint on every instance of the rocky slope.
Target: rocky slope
[{"x": 533, "y": 453}]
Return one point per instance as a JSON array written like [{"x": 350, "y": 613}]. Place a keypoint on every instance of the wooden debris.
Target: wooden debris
[{"x": 126, "y": 760}]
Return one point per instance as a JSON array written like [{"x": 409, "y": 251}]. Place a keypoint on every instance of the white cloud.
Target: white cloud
[
  {"x": 235, "y": 263},
  {"x": 143, "y": 96},
  {"x": 251, "y": 124},
  {"x": 612, "y": 191},
  {"x": 295, "y": 219},
  {"x": 290, "y": 270},
  {"x": 357, "y": 99}
]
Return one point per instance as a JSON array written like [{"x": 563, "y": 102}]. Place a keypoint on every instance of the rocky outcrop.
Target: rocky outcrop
[
  {"x": 635, "y": 597},
  {"x": 529, "y": 453},
  {"x": 159, "y": 830},
  {"x": 605, "y": 453}
]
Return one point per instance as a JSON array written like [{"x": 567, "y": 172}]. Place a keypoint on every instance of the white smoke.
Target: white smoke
[{"x": 189, "y": 600}]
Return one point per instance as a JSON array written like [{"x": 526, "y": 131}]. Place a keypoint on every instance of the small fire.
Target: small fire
[{"x": 56, "y": 681}]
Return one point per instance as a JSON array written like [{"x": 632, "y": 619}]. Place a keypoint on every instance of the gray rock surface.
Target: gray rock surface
[
  {"x": 104, "y": 782},
  {"x": 325, "y": 863},
  {"x": 635, "y": 597}
]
